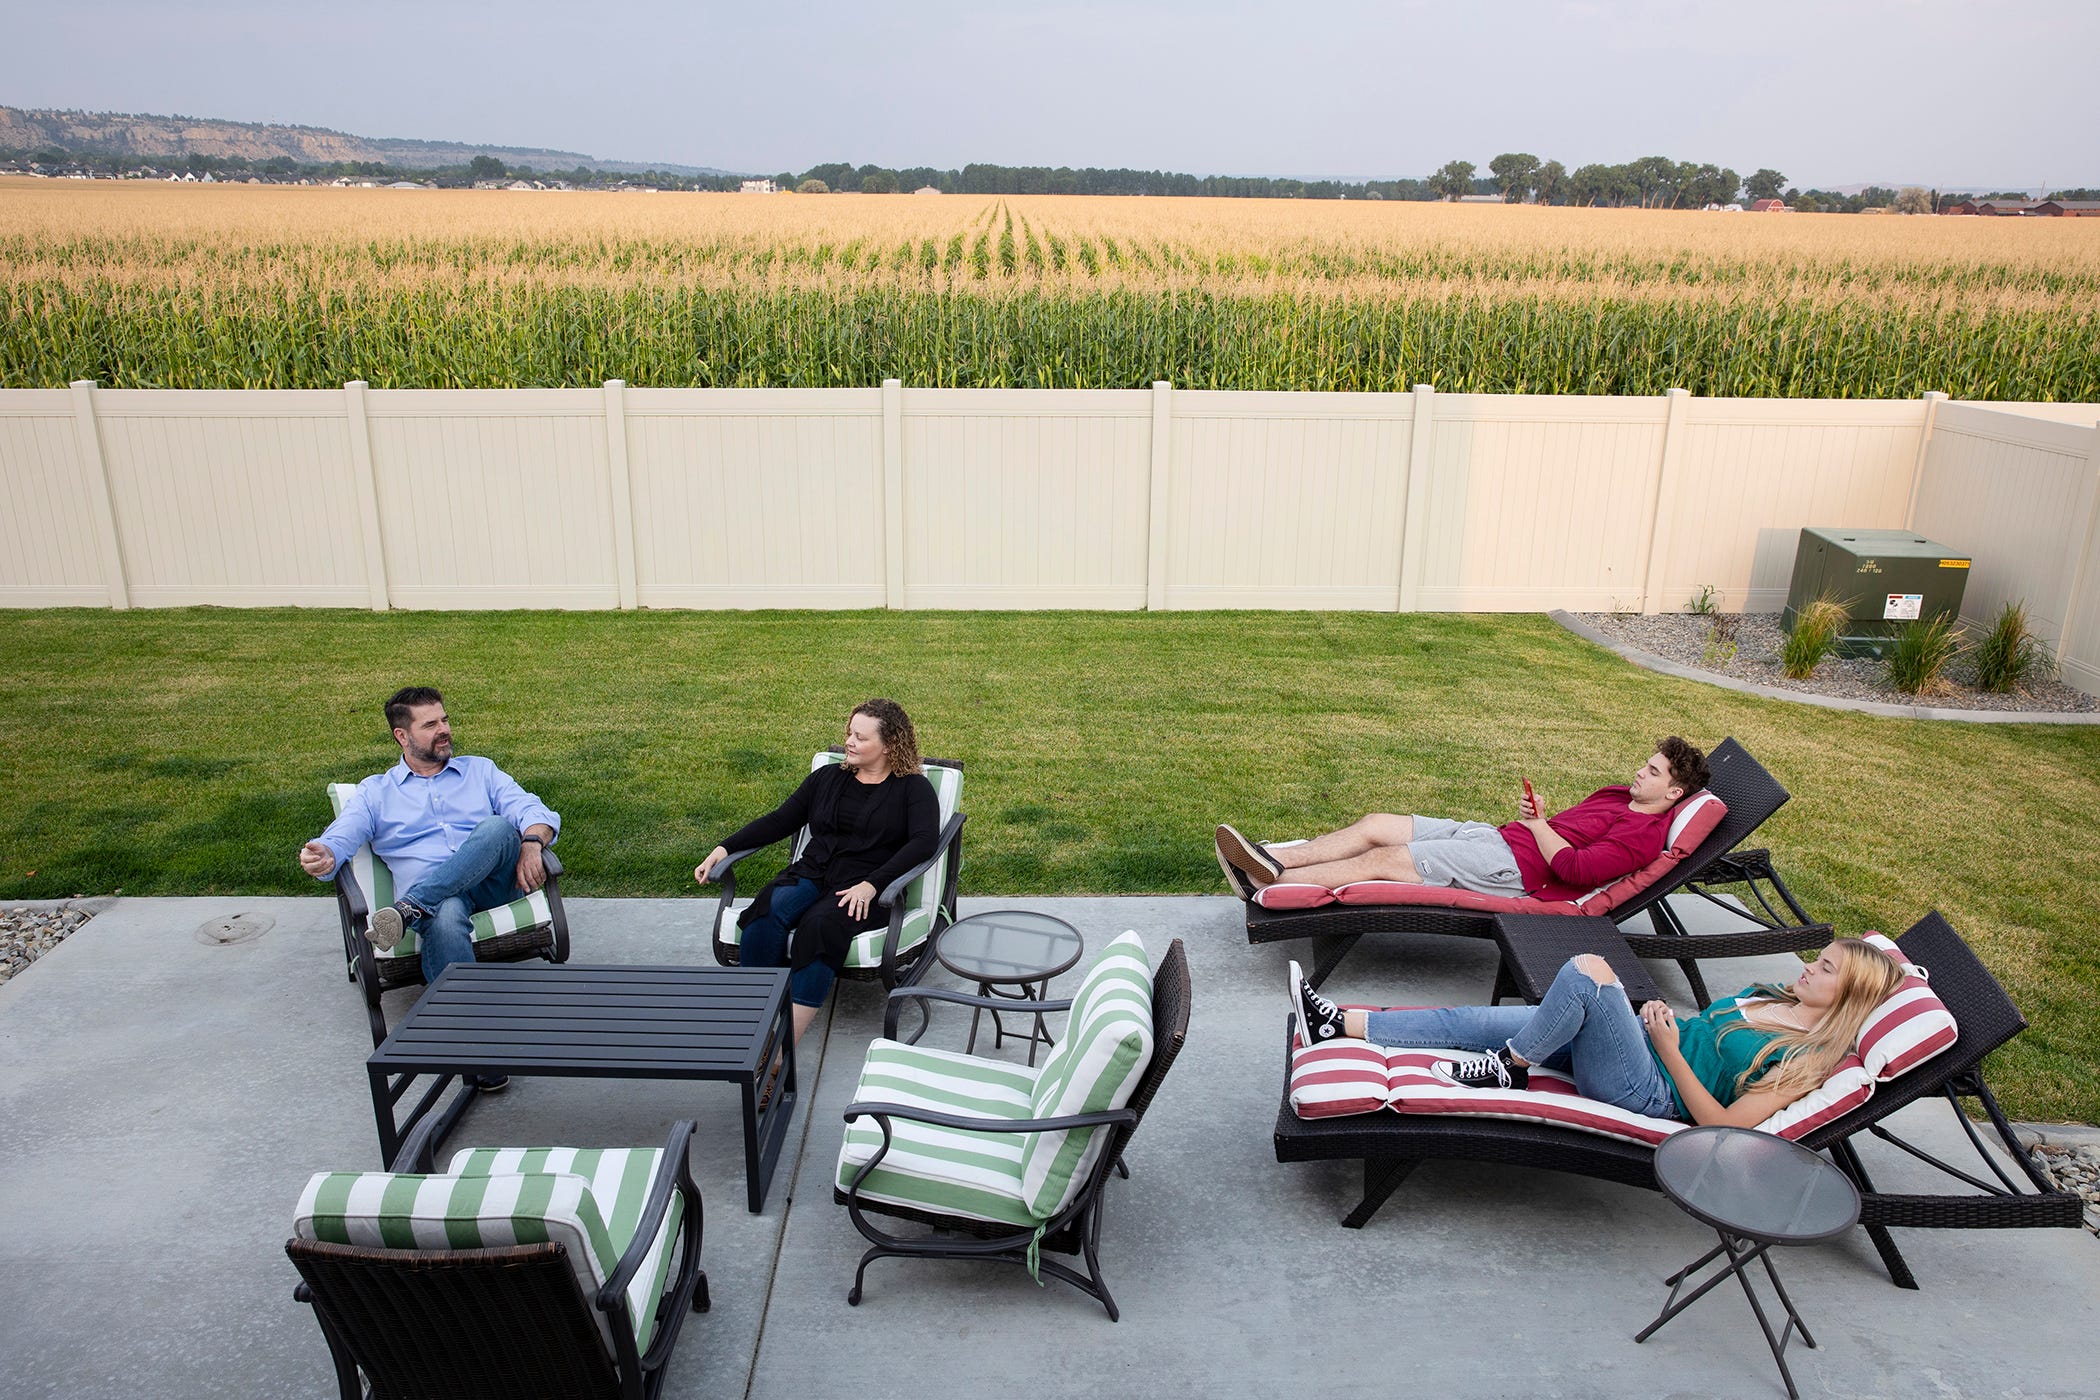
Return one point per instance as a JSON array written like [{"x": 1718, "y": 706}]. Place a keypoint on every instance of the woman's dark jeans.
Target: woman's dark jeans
[{"x": 765, "y": 942}]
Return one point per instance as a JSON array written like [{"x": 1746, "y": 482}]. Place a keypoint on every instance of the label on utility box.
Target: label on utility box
[
  {"x": 1903, "y": 607},
  {"x": 1954, "y": 563}
]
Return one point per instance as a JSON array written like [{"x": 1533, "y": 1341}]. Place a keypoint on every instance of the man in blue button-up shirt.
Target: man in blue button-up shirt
[{"x": 457, "y": 832}]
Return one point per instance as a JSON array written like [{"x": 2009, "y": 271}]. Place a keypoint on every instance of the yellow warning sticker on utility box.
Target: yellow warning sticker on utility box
[{"x": 1954, "y": 563}]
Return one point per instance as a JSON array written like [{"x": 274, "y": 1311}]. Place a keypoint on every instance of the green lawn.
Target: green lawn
[{"x": 184, "y": 752}]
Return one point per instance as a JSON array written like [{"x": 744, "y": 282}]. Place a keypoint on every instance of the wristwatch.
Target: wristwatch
[{"x": 539, "y": 841}]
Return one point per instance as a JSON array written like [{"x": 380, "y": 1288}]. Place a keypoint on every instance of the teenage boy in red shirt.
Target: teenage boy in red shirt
[{"x": 1612, "y": 832}]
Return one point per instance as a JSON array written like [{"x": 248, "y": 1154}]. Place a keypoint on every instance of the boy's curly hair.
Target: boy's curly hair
[{"x": 1687, "y": 764}]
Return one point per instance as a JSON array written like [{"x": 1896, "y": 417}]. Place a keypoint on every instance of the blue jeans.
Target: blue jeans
[
  {"x": 481, "y": 874},
  {"x": 765, "y": 943},
  {"x": 1579, "y": 1027}
]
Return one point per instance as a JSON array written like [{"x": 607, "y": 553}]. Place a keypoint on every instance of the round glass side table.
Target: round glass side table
[
  {"x": 1009, "y": 948},
  {"x": 1755, "y": 1190}
]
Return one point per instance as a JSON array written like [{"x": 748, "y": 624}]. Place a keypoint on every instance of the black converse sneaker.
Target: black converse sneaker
[
  {"x": 1495, "y": 1069},
  {"x": 1318, "y": 1018}
]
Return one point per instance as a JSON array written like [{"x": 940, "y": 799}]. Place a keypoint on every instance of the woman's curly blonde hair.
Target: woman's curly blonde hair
[{"x": 893, "y": 727}]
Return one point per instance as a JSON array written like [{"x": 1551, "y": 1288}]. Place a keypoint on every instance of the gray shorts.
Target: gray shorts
[{"x": 1465, "y": 855}]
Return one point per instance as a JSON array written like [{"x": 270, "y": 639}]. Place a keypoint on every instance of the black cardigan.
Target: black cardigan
[{"x": 875, "y": 833}]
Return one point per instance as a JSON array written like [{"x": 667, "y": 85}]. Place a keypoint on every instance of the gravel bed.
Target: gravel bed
[
  {"x": 28, "y": 934},
  {"x": 2076, "y": 1168},
  {"x": 1684, "y": 639}
]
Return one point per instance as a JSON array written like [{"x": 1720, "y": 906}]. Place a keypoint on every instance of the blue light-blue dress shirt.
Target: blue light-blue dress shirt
[{"x": 414, "y": 822}]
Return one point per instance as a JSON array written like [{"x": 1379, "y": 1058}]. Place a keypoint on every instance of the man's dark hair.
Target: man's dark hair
[
  {"x": 1687, "y": 764},
  {"x": 408, "y": 697}
]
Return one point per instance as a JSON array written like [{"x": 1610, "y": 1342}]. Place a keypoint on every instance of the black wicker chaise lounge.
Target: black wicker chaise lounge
[
  {"x": 1752, "y": 796},
  {"x": 1390, "y": 1145}
]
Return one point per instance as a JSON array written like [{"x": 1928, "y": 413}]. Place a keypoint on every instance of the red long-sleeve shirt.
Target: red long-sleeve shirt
[{"x": 1606, "y": 839}]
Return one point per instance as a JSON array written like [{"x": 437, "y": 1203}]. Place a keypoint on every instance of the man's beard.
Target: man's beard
[{"x": 432, "y": 754}]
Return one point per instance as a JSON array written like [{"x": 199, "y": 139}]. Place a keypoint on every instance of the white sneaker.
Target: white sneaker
[{"x": 385, "y": 928}]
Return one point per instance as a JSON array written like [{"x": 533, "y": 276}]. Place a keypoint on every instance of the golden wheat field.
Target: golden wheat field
[{"x": 241, "y": 286}]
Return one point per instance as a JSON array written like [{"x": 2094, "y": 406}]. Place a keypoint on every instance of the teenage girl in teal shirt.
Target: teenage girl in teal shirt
[{"x": 1738, "y": 1062}]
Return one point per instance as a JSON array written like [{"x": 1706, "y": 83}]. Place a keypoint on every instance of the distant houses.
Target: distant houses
[
  {"x": 2030, "y": 208},
  {"x": 758, "y": 187},
  {"x": 1770, "y": 206}
]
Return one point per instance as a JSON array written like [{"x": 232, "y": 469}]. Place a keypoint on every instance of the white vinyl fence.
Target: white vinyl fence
[
  {"x": 941, "y": 498},
  {"x": 2021, "y": 494}
]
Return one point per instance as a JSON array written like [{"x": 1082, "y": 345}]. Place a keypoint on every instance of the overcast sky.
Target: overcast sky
[{"x": 1828, "y": 91}]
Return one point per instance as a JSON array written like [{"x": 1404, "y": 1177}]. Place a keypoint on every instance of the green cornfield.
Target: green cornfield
[{"x": 153, "y": 286}]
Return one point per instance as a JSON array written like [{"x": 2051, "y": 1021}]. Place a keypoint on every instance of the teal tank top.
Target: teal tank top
[{"x": 1716, "y": 1061}]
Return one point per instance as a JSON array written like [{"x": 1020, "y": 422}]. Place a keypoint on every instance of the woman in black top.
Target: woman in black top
[{"x": 870, "y": 819}]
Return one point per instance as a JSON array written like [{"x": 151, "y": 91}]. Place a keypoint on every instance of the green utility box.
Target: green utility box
[{"x": 1884, "y": 578}]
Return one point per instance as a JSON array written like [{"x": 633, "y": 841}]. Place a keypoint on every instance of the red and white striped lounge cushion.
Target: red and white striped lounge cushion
[
  {"x": 1910, "y": 1027},
  {"x": 1693, "y": 821},
  {"x": 1341, "y": 1077}
]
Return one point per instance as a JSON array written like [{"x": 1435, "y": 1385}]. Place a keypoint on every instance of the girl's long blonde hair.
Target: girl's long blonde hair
[{"x": 1796, "y": 1062}]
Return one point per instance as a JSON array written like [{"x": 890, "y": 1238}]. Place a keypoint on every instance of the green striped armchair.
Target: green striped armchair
[
  {"x": 533, "y": 927},
  {"x": 1008, "y": 1161},
  {"x": 921, "y": 901},
  {"x": 541, "y": 1271}
]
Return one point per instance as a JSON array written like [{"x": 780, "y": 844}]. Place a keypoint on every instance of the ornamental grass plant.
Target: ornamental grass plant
[
  {"x": 1815, "y": 632},
  {"x": 1918, "y": 658},
  {"x": 2010, "y": 655}
]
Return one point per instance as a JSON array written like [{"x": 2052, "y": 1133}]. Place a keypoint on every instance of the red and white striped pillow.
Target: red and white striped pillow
[
  {"x": 1910, "y": 1027},
  {"x": 1692, "y": 822},
  {"x": 1337, "y": 1078},
  {"x": 1848, "y": 1086},
  {"x": 1342, "y": 1077},
  {"x": 1284, "y": 895},
  {"x": 1417, "y": 1088}
]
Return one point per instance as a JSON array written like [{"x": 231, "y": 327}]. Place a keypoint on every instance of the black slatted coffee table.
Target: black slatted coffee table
[
  {"x": 1536, "y": 946},
  {"x": 532, "y": 1019}
]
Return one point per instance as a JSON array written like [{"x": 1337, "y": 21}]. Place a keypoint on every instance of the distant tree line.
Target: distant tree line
[
  {"x": 285, "y": 170},
  {"x": 1517, "y": 177},
  {"x": 845, "y": 177}
]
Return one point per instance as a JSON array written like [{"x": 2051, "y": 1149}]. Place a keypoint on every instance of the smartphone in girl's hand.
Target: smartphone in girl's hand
[{"x": 1530, "y": 797}]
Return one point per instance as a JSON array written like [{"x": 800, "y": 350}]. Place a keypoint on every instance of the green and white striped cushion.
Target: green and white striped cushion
[
  {"x": 619, "y": 1178},
  {"x": 533, "y": 911},
  {"x": 922, "y": 897},
  {"x": 945, "y": 1170},
  {"x": 1096, "y": 1066},
  {"x": 387, "y": 1210}
]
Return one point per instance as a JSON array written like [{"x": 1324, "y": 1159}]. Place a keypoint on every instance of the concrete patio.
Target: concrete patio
[{"x": 165, "y": 1100}]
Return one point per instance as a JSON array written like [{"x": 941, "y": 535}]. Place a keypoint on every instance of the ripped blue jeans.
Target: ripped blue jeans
[{"x": 1579, "y": 1027}]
